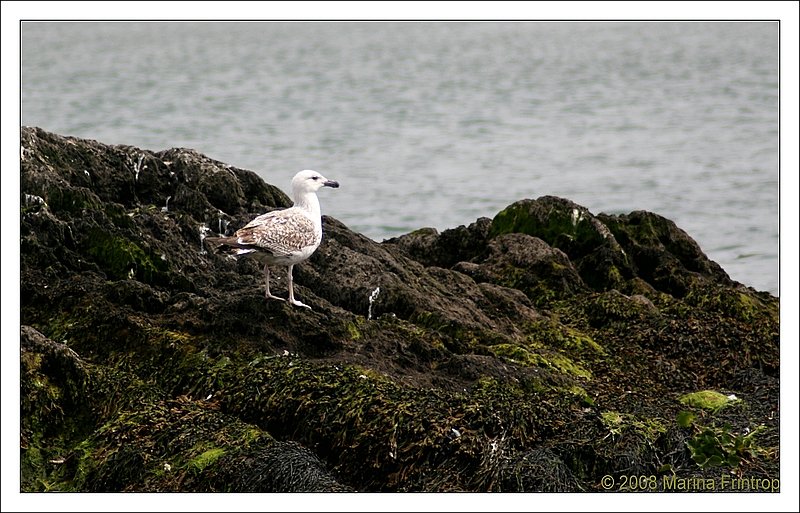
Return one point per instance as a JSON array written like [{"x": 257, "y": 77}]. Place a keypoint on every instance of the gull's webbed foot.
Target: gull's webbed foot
[{"x": 299, "y": 303}]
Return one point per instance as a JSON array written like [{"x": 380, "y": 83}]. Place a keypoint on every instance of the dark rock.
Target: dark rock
[
  {"x": 537, "y": 351},
  {"x": 663, "y": 254},
  {"x": 529, "y": 265},
  {"x": 455, "y": 245}
]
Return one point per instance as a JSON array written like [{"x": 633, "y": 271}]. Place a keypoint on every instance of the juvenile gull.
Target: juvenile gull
[{"x": 283, "y": 237}]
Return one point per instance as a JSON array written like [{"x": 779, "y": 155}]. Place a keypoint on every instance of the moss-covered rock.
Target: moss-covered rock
[
  {"x": 708, "y": 399},
  {"x": 537, "y": 351},
  {"x": 187, "y": 445},
  {"x": 571, "y": 228}
]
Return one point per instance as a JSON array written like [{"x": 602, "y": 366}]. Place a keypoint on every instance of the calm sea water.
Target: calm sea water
[{"x": 437, "y": 124}]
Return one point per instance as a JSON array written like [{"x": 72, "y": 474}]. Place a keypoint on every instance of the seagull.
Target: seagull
[{"x": 283, "y": 237}]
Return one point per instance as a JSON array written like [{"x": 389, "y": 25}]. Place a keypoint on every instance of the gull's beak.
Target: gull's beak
[{"x": 330, "y": 183}]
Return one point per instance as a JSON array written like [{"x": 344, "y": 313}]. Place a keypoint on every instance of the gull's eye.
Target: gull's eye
[{"x": 315, "y": 177}]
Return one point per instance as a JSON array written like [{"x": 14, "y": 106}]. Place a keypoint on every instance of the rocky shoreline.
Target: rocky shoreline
[{"x": 540, "y": 350}]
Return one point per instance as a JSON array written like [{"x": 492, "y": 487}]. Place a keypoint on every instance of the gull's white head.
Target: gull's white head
[{"x": 310, "y": 181}]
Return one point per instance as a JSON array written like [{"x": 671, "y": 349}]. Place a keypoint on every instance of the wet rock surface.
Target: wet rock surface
[{"x": 536, "y": 351}]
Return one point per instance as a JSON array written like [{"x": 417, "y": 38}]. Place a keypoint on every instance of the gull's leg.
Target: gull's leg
[
  {"x": 292, "y": 300},
  {"x": 266, "y": 279}
]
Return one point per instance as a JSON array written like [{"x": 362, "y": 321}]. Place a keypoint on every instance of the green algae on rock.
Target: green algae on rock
[{"x": 708, "y": 399}]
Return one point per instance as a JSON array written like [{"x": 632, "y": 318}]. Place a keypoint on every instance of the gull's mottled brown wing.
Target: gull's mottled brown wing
[{"x": 281, "y": 232}]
